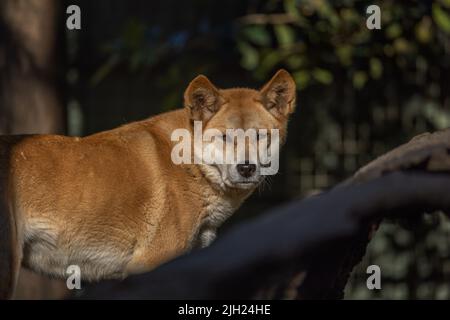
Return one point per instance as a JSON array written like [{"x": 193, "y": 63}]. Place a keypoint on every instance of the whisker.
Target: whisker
[{"x": 265, "y": 184}]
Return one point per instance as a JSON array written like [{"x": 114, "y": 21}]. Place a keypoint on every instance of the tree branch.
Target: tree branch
[{"x": 295, "y": 235}]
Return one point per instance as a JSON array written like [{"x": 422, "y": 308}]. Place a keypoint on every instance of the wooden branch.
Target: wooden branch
[
  {"x": 426, "y": 152},
  {"x": 429, "y": 152},
  {"x": 238, "y": 264}
]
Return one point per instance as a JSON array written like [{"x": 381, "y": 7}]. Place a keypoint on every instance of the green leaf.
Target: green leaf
[
  {"x": 345, "y": 53},
  {"x": 257, "y": 35},
  {"x": 403, "y": 46},
  {"x": 350, "y": 16},
  {"x": 393, "y": 31},
  {"x": 441, "y": 18},
  {"x": 250, "y": 56},
  {"x": 445, "y": 3},
  {"x": 327, "y": 12},
  {"x": 290, "y": 6},
  {"x": 376, "y": 68},
  {"x": 295, "y": 61},
  {"x": 301, "y": 78},
  {"x": 323, "y": 76},
  {"x": 270, "y": 60},
  {"x": 424, "y": 30},
  {"x": 359, "y": 79},
  {"x": 285, "y": 35}
]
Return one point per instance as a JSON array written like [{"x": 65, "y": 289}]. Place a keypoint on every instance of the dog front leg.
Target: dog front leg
[{"x": 207, "y": 236}]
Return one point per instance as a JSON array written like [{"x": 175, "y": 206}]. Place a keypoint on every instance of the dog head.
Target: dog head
[{"x": 250, "y": 123}]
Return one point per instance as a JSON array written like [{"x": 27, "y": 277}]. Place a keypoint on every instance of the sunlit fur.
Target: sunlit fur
[{"x": 114, "y": 203}]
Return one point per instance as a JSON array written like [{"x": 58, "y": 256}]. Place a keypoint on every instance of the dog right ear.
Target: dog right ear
[
  {"x": 202, "y": 99},
  {"x": 279, "y": 93}
]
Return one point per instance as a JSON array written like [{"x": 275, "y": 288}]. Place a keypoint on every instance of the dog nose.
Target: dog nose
[{"x": 246, "y": 169}]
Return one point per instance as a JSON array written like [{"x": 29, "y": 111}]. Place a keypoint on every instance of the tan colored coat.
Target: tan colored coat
[{"x": 114, "y": 203}]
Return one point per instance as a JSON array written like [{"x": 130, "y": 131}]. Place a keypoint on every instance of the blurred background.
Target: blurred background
[{"x": 361, "y": 93}]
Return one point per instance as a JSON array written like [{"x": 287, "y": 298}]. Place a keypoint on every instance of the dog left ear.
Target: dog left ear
[
  {"x": 202, "y": 99},
  {"x": 278, "y": 95}
]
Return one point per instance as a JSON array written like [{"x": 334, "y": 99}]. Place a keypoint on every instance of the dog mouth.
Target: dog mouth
[
  {"x": 247, "y": 185},
  {"x": 247, "y": 182},
  {"x": 238, "y": 184},
  {"x": 243, "y": 184}
]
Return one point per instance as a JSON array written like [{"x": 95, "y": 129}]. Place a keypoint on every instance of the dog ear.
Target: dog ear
[
  {"x": 202, "y": 99},
  {"x": 279, "y": 94}
]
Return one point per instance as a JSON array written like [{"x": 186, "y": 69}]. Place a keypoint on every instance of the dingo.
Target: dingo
[{"x": 115, "y": 203}]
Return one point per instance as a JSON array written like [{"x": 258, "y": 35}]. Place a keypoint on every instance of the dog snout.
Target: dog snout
[{"x": 246, "y": 169}]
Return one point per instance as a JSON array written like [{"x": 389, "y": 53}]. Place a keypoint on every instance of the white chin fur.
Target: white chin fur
[{"x": 214, "y": 175}]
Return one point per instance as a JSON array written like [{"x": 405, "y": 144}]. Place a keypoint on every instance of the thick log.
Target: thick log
[
  {"x": 426, "y": 152},
  {"x": 253, "y": 254}
]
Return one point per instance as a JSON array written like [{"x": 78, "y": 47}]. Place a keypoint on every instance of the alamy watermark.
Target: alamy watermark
[
  {"x": 73, "y": 21},
  {"x": 374, "y": 20},
  {"x": 234, "y": 146},
  {"x": 374, "y": 280},
  {"x": 74, "y": 277}
]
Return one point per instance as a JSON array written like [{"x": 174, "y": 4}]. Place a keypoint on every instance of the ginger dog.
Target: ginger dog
[{"x": 114, "y": 203}]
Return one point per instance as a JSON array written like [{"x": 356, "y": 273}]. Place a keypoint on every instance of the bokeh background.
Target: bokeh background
[{"x": 361, "y": 92}]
